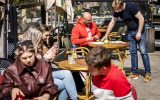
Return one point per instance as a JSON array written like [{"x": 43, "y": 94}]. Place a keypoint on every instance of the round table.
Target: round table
[
  {"x": 80, "y": 65},
  {"x": 111, "y": 45}
]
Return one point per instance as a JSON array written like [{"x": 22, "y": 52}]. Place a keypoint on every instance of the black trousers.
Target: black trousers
[{"x": 78, "y": 81}]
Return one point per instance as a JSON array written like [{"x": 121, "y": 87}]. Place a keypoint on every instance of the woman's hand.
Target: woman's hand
[
  {"x": 43, "y": 97},
  {"x": 51, "y": 53},
  {"x": 15, "y": 92}
]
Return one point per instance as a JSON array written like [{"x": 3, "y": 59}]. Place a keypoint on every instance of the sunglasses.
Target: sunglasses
[{"x": 24, "y": 43}]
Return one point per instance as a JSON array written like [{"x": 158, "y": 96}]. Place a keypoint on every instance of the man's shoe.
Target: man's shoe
[
  {"x": 147, "y": 77},
  {"x": 133, "y": 76}
]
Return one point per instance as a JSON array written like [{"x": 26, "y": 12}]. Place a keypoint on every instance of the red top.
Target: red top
[
  {"x": 114, "y": 81},
  {"x": 80, "y": 32}
]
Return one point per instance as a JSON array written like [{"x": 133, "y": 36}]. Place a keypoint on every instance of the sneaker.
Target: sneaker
[
  {"x": 147, "y": 77},
  {"x": 133, "y": 76}
]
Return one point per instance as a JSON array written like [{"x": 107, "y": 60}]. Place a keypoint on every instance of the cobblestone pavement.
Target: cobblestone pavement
[{"x": 151, "y": 90}]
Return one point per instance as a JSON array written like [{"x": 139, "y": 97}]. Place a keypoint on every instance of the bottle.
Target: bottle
[
  {"x": 72, "y": 58},
  {"x": 74, "y": 53}
]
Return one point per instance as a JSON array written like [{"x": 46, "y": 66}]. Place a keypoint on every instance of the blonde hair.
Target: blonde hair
[
  {"x": 33, "y": 34},
  {"x": 117, "y": 2},
  {"x": 22, "y": 47}
]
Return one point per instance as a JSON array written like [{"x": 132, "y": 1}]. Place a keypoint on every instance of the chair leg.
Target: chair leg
[{"x": 56, "y": 97}]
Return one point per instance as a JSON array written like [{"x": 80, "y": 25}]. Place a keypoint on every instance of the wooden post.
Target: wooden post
[
  {"x": 24, "y": 17},
  {"x": 46, "y": 13}
]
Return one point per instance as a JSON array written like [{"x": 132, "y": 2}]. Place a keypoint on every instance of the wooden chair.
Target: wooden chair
[
  {"x": 79, "y": 50},
  {"x": 119, "y": 34},
  {"x": 115, "y": 35}
]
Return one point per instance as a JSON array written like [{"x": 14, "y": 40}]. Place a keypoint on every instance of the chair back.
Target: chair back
[
  {"x": 79, "y": 50},
  {"x": 124, "y": 30},
  {"x": 11, "y": 47},
  {"x": 119, "y": 30},
  {"x": 4, "y": 63},
  {"x": 67, "y": 43},
  {"x": 124, "y": 34}
]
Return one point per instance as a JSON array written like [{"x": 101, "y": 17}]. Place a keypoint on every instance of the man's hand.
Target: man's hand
[
  {"x": 96, "y": 37},
  {"x": 43, "y": 97},
  {"x": 51, "y": 53},
  {"x": 15, "y": 92},
  {"x": 89, "y": 38},
  {"x": 103, "y": 38},
  {"x": 138, "y": 36}
]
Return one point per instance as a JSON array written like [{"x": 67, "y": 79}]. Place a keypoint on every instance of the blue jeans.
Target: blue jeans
[
  {"x": 143, "y": 51},
  {"x": 66, "y": 85}
]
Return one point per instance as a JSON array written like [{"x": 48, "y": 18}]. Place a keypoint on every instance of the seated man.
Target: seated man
[
  {"x": 109, "y": 82},
  {"x": 28, "y": 76},
  {"x": 85, "y": 31}
]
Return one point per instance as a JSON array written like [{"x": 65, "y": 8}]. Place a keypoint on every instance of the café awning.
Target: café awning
[{"x": 61, "y": 6}]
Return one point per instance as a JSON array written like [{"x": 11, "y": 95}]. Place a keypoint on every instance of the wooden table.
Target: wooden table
[
  {"x": 120, "y": 48},
  {"x": 80, "y": 65}
]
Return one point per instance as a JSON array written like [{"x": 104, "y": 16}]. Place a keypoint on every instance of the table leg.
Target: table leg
[
  {"x": 121, "y": 57},
  {"x": 87, "y": 86},
  {"x": 87, "y": 95}
]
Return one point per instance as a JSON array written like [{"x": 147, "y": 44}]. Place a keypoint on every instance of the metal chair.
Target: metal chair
[
  {"x": 4, "y": 63},
  {"x": 10, "y": 50}
]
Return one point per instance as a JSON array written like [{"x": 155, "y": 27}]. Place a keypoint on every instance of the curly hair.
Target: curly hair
[{"x": 98, "y": 57}]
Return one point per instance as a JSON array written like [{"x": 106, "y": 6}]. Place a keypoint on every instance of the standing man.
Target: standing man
[
  {"x": 133, "y": 18},
  {"x": 85, "y": 31}
]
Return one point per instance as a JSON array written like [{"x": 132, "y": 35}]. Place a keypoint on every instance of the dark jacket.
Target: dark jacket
[{"x": 33, "y": 82}]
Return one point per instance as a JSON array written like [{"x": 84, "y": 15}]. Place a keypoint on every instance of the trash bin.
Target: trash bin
[{"x": 150, "y": 38}]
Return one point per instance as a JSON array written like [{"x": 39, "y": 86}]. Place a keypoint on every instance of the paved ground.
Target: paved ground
[{"x": 151, "y": 90}]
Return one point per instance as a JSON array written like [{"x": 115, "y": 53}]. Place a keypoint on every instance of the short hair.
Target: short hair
[
  {"x": 98, "y": 57},
  {"x": 22, "y": 47},
  {"x": 118, "y": 2}
]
